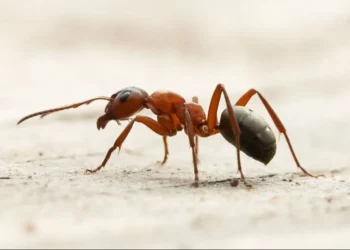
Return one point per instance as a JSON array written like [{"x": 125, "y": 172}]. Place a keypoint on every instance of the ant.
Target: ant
[{"x": 239, "y": 125}]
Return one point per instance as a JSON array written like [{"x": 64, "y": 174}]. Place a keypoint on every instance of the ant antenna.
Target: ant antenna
[{"x": 75, "y": 105}]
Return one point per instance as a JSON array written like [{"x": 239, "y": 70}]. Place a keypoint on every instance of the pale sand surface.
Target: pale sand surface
[{"x": 54, "y": 53}]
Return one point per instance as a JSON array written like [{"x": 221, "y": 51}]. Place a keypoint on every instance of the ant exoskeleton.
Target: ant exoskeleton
[{"x": 175, "y": 114}]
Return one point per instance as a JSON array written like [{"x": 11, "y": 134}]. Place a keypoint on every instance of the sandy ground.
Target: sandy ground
[{"x": 53, "y": 54}]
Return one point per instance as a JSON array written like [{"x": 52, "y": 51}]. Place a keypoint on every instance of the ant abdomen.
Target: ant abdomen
[{"x": 256, "y": 140}]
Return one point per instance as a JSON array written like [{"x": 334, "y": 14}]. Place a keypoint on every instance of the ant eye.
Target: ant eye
[{"x": 124, "y": 96}]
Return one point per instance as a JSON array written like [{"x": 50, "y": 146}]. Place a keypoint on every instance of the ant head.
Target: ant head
[{"x": 124, "y": 104}]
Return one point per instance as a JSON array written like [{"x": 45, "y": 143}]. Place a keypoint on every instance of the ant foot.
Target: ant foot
[
  {"x": 248, "y": 186},
  {"x": 314, "y": 176},
  {"x": 89, "y": 171},
  {"x": 234, "y": 183},
  {"x": 161, "y": 163},
  {"x": 195, "y": 184},
  {"x": 92, "y": 171}
]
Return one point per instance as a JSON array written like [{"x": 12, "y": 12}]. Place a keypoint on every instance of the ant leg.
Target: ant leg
[
  {"x": 243, "y": 102},
  {"x": 213, "y": 125},
  {"x": 167, "y": 122},
  {"x": 166, "y": 150},
  {"x": 195, "y": 100},
  {"x": 191, "y": 135},
  {"x": 149, "y": 122}
]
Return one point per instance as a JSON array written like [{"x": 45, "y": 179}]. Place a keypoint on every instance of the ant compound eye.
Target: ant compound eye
[{"x": 124, "y": 96}]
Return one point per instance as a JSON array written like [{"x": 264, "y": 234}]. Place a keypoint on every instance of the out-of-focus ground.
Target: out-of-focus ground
[{"x": 58, "y": 52}]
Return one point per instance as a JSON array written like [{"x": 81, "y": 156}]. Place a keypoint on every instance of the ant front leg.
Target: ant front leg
[
  {"x": 213, "y": 125},
  {"x": 149, "y": 122},
  {"x": 243, "y": 102}
]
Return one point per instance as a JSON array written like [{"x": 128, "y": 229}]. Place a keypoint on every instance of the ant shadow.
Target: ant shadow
[
  {"x": 258, "y": 181},
  {"x": 209, "y": 181}
]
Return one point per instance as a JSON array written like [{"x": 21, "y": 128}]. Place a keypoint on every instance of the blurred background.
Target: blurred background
[{"x": 296, "y": 53}]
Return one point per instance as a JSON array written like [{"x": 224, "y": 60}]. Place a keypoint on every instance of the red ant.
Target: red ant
[{"x": 175, "y": 114}]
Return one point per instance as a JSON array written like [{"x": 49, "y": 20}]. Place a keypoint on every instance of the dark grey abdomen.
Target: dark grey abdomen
[{"x": 257, "y": 139}]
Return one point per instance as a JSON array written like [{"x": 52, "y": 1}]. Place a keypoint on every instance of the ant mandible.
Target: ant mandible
[{"x": 174, "y": 114}]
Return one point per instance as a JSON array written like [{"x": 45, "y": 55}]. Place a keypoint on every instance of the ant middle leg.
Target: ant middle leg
[
  {"x": 196, "y": 138},
  {"x": 191, "y": 136}
]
